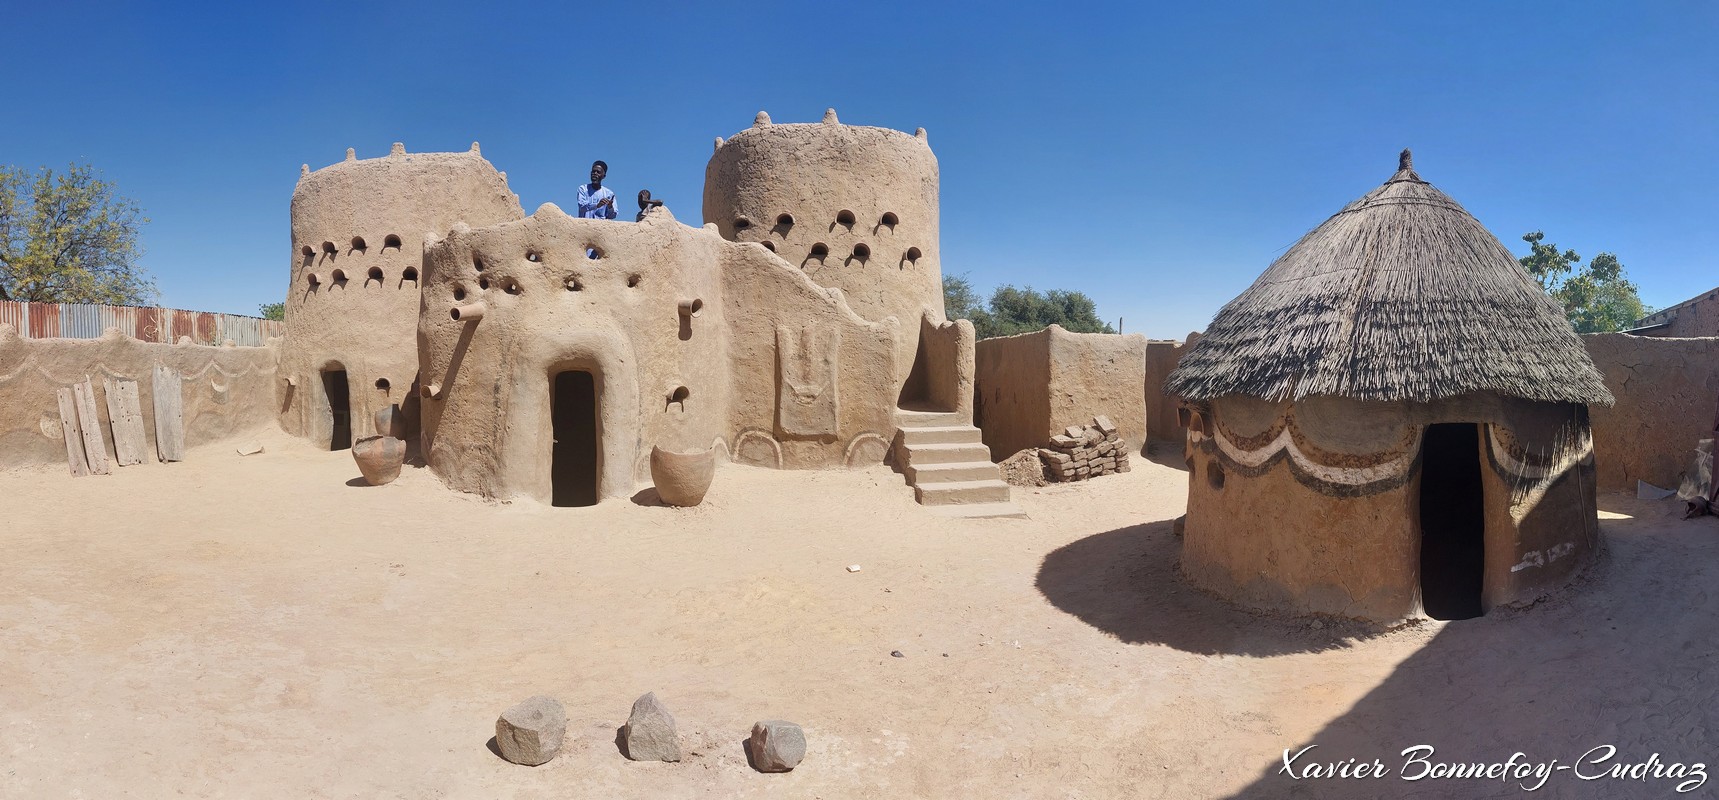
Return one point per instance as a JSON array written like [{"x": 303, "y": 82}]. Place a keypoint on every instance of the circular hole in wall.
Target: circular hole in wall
[
  {"x": 382, "y": 383},
  {"x": 845, "y": 217},
  {"x": 819, "y": 250},
  {"x": 572, "y": 283},
  {"x": 375, "y": 274},
  {"x": 511, "y": 287},
  {"x": 1215, "y": 475},
  {"x": 532, "y": 256},
  {"x": 785, "y": 220},
  {"x": 339, "y": 276},
  {"x": 329, "y": 248},
  {"x": 315, "y": 279},
  {"x": 862, "y": 251},
  {"x": 890, "y": 219},
  {"x": 459, "y": 293},
  {"x": 308, "y": 251},
  {"x": 633, "y": 281},
  {"x": 913, "y": 254},
  {"x": 358, "y": 243},
  {"x": 391, "y": 240},
  {"x": 483, "y": 283},
  {"x": 769, "y": 245},
  {"x": 477, "y": 262},
  {"x": 593, "y": 252},
  {"x": 411, "y": 274},
  {"x": 742, "y": 223},
  {"x": 680, "y": 394}
]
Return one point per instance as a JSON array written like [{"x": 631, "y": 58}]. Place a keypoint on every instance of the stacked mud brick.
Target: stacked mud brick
[{"x": 1079, "y": 453}]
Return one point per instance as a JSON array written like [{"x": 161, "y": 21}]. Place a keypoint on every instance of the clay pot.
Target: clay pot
[
  {"x": 682, "y": 478},
  {"x": 390, "y": 421},
  {"x": 379, "y": 458}
]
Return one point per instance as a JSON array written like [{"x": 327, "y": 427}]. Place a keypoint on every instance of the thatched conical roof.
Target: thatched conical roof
[{"x": 1402, "y": 295}]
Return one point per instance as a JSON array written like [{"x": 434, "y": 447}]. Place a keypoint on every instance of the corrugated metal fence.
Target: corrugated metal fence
[{"x": 165, "y": 325}]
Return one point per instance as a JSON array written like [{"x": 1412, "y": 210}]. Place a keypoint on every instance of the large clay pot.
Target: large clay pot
[
  {"x": 390, "y": 421},
  {"x": 379, "y": 458},
  {"x": 682, "y": 478}
]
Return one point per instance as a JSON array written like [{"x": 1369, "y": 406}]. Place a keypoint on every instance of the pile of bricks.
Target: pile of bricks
[{"x": 1079, "y": 453}]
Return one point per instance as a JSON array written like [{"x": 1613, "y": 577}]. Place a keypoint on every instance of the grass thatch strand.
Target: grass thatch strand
[{"x": 1402, "y": 295}]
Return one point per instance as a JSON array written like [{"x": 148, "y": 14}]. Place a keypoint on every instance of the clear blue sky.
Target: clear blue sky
[{"x": 1157, "y": 158}]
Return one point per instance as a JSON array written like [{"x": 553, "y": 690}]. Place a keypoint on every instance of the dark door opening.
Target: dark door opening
[
  {"x": 339, "y": 406},
  {"x": 573, "y": 468},
  {"x": 1453, "y": 524}
]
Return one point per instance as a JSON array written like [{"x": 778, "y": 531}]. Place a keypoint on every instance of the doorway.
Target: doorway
[
  {"x": 1453, "y": 524},
  {"x": 573, "y": 465},
  {"x": 339, "y": 407}
]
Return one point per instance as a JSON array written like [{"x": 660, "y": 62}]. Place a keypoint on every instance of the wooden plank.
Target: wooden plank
[
  {"x": 74, "y": 434},
  {"x": 168, "y": 390},
  {"x": 125, "y": 415},
  {"x": 95, "y": 447}
]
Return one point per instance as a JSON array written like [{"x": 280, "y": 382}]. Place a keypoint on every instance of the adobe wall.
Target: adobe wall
[
  {"x": 1011, "y": 392},
  {"x": 1667, "y": 394},
  {"x": 854, "y": 207},
  {"x": 763, "y": 364},
  {"x": 1163, "y": 423},
  {"x": 226, "y": 391},
  {"x": 1314, "y": 508},
  {"x": 358, "y": 229},
  {"x": 1693, "y": 318},
  {"x": 1031, "y": 386}
]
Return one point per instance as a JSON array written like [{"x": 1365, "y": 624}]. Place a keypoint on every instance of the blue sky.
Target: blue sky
[{"x": 1155, "y": 157}]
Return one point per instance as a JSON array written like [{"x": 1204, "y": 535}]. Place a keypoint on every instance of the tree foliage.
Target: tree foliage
[
  {"x": 274, "y": 311},
  {"x": 1023, "y": 310},
  {"x": 69, "y": 238},
  {"x": 1597, "y": 298}
]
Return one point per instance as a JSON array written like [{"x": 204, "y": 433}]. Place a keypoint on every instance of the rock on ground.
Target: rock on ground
[
  {"x": 777, "y": 746},
  {"x": 649, "y": 734},
  {"x": 530, "y": 733},
  {"x": 1023, "y": 468}
]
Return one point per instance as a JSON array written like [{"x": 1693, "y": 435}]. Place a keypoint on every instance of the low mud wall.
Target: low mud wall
[
  {"x": 226, "y": 391},
  {"x": 1667, "y": 394},
  {"x": 1031, "y": 386}
]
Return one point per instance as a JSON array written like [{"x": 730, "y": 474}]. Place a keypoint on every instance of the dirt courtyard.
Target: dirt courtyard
[{"x": 263, "y": 627}]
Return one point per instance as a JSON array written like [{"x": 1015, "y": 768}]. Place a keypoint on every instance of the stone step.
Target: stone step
[
  {"x": 979, "y": 511},
  {"x": 951, "y": 473},
  {"x": 926, "y": 419},
  {"x": 943, "y": 434},
  {"x": 926, "y": 454},
  {"x": 962, "y": 492}
]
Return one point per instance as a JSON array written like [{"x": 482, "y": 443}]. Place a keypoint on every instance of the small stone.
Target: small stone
[
  {"x": 650, "y": 732},
  {"x": 897, "y": 654},
  {"x": 531, "y": 732},
  {"x": 776, "y": 746},
  {"x": 250, "y": 448},
  {"x": 1104, "y": 424},
  {"x": 853, "y": 568},
  {"x": 1074, "y": 432}
]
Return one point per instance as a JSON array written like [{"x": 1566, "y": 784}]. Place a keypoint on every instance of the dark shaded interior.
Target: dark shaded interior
[
  {"x": 1453, "y": 524},
  {"x": 573, "y": 471},
  {"x": 339, "y": 407},
  {"x": 916, "y": 390}
]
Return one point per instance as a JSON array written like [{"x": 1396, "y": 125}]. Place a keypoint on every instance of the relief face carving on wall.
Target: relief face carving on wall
[{"x": 807, "y": 405}]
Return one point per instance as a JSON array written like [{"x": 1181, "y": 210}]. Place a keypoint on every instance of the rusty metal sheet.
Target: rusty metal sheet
[
  {"x": 14, "y": 313},
  {"x": 183, "y": 324},
  {"x": 44, "y": 321},
  {"x": 149, "y": 325}
]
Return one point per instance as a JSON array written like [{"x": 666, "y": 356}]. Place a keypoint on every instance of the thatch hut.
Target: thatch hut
[{"x": 1391, "y": 421}]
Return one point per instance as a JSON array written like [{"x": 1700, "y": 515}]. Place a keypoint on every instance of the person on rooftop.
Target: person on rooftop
[{"x": 597, "y": 201}]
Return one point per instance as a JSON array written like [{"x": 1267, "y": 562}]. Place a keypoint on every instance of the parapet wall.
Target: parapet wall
[
  {"x": 1031, "y": 386},
  {"x": 1667, "y": 394},
  {"x": 226, "y": 391}
]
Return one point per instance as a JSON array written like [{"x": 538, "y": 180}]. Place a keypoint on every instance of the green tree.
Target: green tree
[
  {"x": 69, "y": 238},
  {"x": 1024, "y": 310},
  {"x": 1597, "y": 298},
  {"x": 274, "y": 311}
]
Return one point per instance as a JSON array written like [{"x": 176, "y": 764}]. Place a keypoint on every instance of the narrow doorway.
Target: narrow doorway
[
  {"x": 339, "y": 407},
  {"x": 573, "y": 468},
  {"x": 1453, "y": 525}
]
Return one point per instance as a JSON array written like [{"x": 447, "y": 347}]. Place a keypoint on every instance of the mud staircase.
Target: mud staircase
[{"x": 949, "y": 466}]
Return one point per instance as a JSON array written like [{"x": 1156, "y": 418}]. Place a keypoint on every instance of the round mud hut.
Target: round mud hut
[{"x": 1391, "y": 421}]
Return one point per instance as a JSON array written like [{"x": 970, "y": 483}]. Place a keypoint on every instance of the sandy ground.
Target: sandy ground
[{"x": 263, "y": 627}]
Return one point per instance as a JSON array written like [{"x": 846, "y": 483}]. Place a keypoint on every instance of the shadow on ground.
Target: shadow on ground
[
  {"x": 1626, "y": 657},
  {"x": 1127, "y": 583},
  {"x": 1167, "y": 454}
]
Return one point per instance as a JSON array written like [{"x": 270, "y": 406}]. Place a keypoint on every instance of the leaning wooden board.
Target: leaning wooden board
[
  {"x": 95, "y": 448},
  {"x": 169, "y": 393},
  {"x": 74, "y": 435},
  {"x": 126, "y": 416}
]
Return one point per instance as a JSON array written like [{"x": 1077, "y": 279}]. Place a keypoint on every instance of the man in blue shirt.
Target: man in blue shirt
[{"x": 597, "y": 201}]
